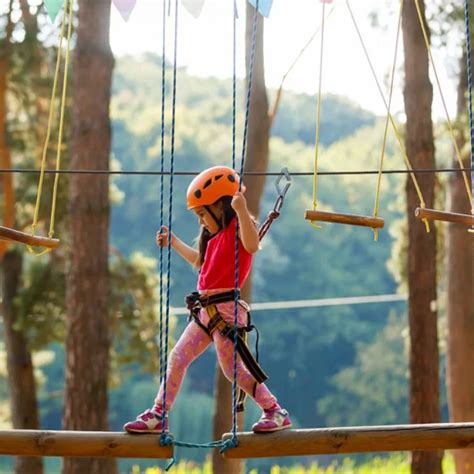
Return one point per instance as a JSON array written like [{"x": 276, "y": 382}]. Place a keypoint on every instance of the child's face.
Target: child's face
[{"x": 206, "y": 220}]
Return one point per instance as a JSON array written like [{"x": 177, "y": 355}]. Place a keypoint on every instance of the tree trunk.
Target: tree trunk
[
  {"x": 422, "y": 312},
  {"x": 23, "y": 402},
  {"x": 5, "y": 157},
  {"x": 24, "y": 406},
  {"x": 88, "y": 336},
  {"x": 460, "y": 301},
  {"x": 256, "y": 160}
]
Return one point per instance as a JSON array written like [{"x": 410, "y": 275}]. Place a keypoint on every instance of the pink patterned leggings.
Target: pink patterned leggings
[{"x": 194, "y": 341}]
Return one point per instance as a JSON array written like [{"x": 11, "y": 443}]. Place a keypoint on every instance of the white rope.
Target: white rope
[{"x": 344, "y": 301}]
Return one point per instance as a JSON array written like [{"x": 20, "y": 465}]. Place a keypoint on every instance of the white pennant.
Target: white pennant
[
  {"x": 125, "y": 7},
  {"x": 193, "y": 6}
]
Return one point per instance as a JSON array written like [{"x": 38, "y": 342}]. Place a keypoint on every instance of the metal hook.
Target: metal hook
[{"x": 282, "y": 192}]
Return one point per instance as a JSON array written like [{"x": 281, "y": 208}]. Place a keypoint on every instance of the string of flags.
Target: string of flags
[{"x": 126, "y": 7}]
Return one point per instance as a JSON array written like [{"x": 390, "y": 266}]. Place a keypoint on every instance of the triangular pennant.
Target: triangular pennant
[
  {"x": 193, "y": 6},
  {"x": 53, "y": 7},
  {"x": 264, "y": 6},
  {"x": 125, "y": 7}
]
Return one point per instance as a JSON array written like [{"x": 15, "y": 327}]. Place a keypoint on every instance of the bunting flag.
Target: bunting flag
[
  {"x": 53, "y": 7},
  {"x": 125, "y": 7},
  {"x": 193, "y": 6},
  {"x": 264, "y": 6}
]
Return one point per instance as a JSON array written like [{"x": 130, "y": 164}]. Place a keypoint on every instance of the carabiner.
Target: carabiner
[{"x": 282, "y": 192}]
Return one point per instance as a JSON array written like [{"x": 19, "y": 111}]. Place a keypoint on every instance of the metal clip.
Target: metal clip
[{"x": 282, "y": 192}]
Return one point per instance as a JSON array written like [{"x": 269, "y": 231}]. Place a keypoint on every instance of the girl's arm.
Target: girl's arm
[
  {"x": 185, "y": 251},
  {"x": 248, "y": 233}
]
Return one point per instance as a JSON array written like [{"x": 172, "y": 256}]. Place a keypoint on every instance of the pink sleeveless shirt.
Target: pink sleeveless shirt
[{"x": 218, "y": 268}]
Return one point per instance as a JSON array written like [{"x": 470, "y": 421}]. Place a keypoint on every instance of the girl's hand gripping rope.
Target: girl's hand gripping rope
[{"x": 163, "y": 237}]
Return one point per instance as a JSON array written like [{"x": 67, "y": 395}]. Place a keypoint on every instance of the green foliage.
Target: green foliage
[
  {"x": 395, "y": 463},
  {"x": 374, "y": 391}
]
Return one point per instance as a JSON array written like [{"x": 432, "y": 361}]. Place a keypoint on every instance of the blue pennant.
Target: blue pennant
[{"x": 264, "y": 6}]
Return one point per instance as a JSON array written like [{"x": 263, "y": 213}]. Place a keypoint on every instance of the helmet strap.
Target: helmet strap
[{"x": 217, "y": 221}]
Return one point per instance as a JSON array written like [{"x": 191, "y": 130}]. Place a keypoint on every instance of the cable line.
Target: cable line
[{"x": 247, "y": 173}]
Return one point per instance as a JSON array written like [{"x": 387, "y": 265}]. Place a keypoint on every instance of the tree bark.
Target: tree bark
[
  {"x": 23, "y": 402},
  {"x": 460, "y": 300},
  {"x": 5, "y": 156},
  {"x": 422, "y": 311},
  {"x": 256, "y": 160},
  {"x": 88, "y": 336},
  {"x": 22, "y": 385}
]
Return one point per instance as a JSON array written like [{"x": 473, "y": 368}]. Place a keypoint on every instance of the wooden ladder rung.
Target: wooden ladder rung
[
  {"x": 22, "y": 237},
  {"x": 93, "y": 444},
  {"x": 357, "y": 439},
  {"x": 434, "y": 215},
  {"x": 350, "y": 219}
]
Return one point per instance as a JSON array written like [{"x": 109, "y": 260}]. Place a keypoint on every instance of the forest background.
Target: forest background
[{"x": 338, "y": 365}]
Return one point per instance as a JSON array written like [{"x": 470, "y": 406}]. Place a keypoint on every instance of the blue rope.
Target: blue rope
[
  {"x": 469, "y": 89},
  {"x": 170, "y": 216},
  {"x": 165, "y": 438},
  {"x": 236, "y": 274},
  {"x": 163, "y": 95},
  {"x": 234, "y": 81}
]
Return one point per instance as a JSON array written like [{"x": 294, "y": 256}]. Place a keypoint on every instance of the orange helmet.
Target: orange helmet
[{"x": 212, "y": 184}]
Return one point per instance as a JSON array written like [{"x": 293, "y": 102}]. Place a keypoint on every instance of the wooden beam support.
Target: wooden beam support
[
  {"x": 350, "y": 219},
  {"x": 22, "y": 237},
  {"x": 361, "y": 439},
  {"x": 434, "y": 215},
  {"x": 93, "y": 444}
]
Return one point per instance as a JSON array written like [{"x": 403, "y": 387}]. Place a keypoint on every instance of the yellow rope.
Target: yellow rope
[
  {"x": 387, "y": 121},
  {"x": 318, "y": 121},
  {"x": 61, "y": 122},
  {"x": 34, "y": 225},
  {"x": 392, "y": 121},
  {"x": 450, "y": 125}
]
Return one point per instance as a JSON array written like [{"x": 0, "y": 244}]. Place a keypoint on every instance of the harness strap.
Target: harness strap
[
  {"x": 195, "y": 302},
  {"x": 217, "y": 323}
]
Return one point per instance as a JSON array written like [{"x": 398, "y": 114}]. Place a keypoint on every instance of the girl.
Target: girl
[{"x": 215, "y": 198}]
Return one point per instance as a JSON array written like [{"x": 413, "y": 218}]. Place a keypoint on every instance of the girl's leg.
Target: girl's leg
[
  {"x": 225, "y": 355},
  {"x": 192, "y": 343}
]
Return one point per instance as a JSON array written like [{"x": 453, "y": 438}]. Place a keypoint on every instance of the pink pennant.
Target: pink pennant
[
  {"x": 326, "y": 1},
  {"x": 125, "y": 7}
]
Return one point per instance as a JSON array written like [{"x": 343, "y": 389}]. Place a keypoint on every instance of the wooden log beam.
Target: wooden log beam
[
  {"x": 92, "y": 444},
  {"x": 434, "y": 215},
  {"x": 22, "y": 237},
  {"x": 350, "y": 219},
  {"x": 361, "y": 439}
]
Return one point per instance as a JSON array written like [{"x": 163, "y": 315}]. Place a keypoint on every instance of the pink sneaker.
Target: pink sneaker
[
  {"x": 272, "y": 420},
  {"x": 150, "y": 421}
]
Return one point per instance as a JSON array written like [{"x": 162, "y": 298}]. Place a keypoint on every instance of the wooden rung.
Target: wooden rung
[
  {"x": 35, "y": 241},
  {"x": 434, "y": 215},
  {"x": 95, "y": 444},
  {"x": 351, "y": 219},
  {"x": 362, "y": 439}
]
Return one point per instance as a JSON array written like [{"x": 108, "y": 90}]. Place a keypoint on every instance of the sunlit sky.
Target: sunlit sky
[{"x": 205, "y": 46}]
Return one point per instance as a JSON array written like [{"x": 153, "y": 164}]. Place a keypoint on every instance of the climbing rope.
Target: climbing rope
[
  {"x": 67, "y": 18},
  {"x": 448, "y": 119},
  {"x": 392, "y": 121},
  {"x": 232, "y": 442},
  {"x": 387, "y": 120},
  {"x": 162, "y": 186},
  {"x": 165, "y": 437},
  {"x": 318, "y": 118},
  {"x": 469, "y": 92}
]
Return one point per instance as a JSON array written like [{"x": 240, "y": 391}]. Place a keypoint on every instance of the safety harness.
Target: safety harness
[{"x": 195, "y": 302}]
